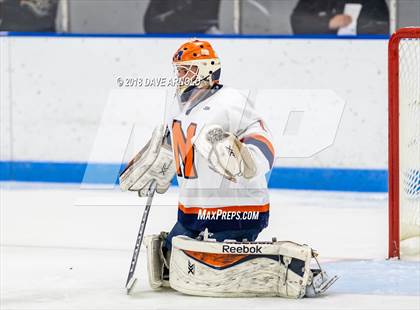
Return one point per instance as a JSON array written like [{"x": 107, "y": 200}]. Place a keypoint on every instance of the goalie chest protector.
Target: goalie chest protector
[{"x": 207, "y": 199}]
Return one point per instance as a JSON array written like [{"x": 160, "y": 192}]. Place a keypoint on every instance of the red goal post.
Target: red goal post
[{"x": 397, "y": 149}]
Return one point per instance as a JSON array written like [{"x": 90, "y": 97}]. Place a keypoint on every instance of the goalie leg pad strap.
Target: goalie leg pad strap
[{"x": 233, "y": 269}]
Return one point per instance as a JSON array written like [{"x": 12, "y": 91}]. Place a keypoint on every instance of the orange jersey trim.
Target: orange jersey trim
[
  {"x": 195, "y": 210},
  {"x": 261, "y": 139}
]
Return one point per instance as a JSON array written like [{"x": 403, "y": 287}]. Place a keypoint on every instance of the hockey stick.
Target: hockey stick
[{"x": 131, "y": 281}]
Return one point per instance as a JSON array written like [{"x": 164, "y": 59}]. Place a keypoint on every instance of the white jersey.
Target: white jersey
[{"x": 207, "y": 199}]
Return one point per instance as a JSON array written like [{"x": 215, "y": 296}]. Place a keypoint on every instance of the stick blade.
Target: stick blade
[{"x": 130, "y": 285}]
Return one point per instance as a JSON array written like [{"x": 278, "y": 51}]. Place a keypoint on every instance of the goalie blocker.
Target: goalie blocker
[{"x": 236, "y": 269}]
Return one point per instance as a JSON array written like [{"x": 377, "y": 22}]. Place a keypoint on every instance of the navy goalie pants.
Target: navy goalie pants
[{"x": 238, "y": 235}]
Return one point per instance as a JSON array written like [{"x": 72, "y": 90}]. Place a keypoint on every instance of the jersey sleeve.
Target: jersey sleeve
[{"x": 258, "y": 140}]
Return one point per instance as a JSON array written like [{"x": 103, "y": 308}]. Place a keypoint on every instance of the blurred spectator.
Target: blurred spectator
[
  {"x": 28, "y": 15},
  {"x": 182, "y": 16},
  {"x": 327, "y": 17}
]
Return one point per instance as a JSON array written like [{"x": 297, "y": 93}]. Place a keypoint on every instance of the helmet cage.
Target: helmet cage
[{"x": 206, "y": 75}]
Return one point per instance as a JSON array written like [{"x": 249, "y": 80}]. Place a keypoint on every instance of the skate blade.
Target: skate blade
[{"x": 328, "y": 284}]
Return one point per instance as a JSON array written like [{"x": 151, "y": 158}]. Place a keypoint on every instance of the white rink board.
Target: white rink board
[{"x": 60, "y": 87}]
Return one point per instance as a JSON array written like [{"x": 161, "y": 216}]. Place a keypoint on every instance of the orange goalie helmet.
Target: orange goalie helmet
[{"x": 197, "y": 61}]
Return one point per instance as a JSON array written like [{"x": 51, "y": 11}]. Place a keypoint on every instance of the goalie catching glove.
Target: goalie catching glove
[
  {"x": 225, "y": 153},
  {"x": 153, "y": 162}
]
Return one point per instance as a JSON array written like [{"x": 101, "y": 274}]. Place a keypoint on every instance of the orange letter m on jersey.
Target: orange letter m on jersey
[{"x": 184, "y": 150}]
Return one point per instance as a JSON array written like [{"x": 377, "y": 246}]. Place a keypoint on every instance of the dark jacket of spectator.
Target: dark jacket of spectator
[
  {"x": 314, "y": 16},
  {"x": 181, "y": 16},
  {"x": 28, "y": 15}
]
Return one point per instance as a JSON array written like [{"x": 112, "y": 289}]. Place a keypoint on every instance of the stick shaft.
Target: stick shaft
[{"x": 140, "y": 234}]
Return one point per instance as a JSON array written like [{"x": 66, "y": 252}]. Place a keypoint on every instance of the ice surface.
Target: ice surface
[{"x": 65, "y": 248}]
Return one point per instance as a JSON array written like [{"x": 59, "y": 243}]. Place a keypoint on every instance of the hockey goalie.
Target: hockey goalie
[{"x": 220, "y": 150}]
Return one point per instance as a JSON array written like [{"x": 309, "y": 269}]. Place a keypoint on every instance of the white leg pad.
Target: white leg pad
[{"x": 234, "y": 269}]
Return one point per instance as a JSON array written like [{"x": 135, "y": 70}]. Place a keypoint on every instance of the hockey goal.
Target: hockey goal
[{"x": 404, "y": 143}]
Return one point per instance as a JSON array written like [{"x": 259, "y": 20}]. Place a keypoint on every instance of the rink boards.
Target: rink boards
[{"x": 60, "y": 95}]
